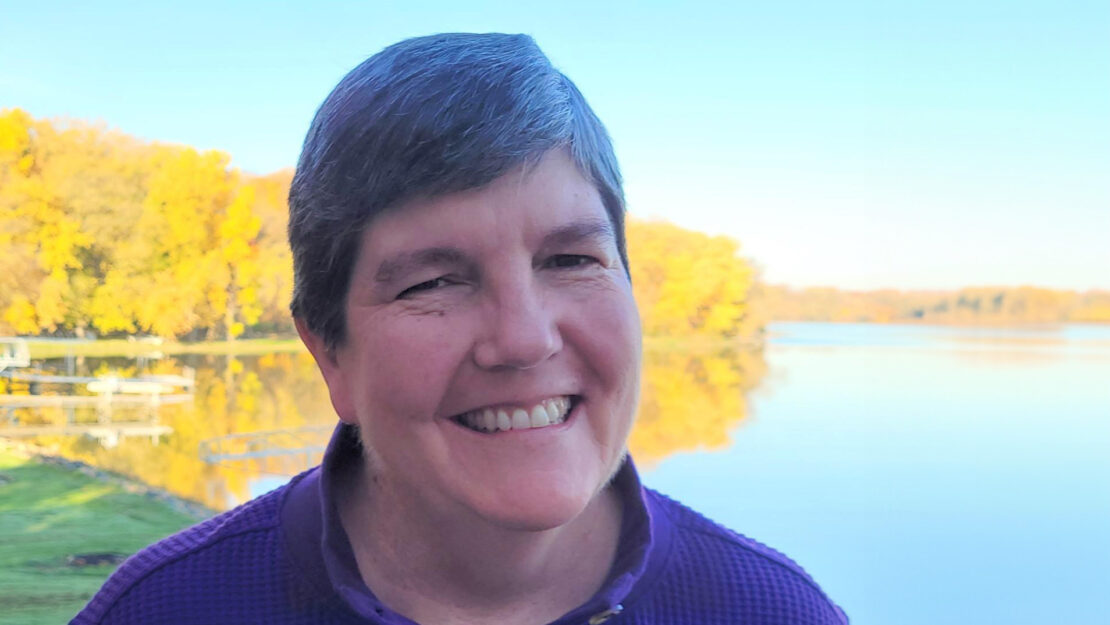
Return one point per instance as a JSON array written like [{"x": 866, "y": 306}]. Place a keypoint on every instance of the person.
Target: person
[{"x": 461, "y": 279}]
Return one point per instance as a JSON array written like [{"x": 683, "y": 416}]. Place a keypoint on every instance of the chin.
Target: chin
[{"x": 539, "y": 511}]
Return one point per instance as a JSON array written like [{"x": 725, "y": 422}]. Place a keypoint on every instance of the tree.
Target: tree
[
  {"x": 190, "y": 265},
  {"x": 688, "y": 283}
]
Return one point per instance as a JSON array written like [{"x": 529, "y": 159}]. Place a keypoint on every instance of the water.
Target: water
[
  {"x": 921, "y": 474},
  {"x": 926, "y": 474}
]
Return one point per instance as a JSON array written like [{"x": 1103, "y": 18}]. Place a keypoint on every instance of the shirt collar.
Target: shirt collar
[{"x": 320, "y": 547}]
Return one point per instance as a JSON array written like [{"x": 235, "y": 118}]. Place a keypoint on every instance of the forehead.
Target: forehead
[{"x": 523, "y": 205}]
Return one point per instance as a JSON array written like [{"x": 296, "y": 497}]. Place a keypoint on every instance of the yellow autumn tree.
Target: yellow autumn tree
[
  {"x": 972, "y": 305},
  {"x": 236, "y": 291},
  {"x": 273, "y": 287},
  {"x": 189, "y": 265},
  {"x": 19, "y": 267},
  {"x": 1092, "y": 307},
  {"x": 66, "y": 192},
  {"x": 688, "y": 283}
]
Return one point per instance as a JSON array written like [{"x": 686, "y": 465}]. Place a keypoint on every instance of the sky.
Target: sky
[{"x": 861, "y": 145}]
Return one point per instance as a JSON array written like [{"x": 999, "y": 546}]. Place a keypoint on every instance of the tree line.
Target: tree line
[
  {"x": 104, "y": 234},
  {"x": 977, "y": 305}
]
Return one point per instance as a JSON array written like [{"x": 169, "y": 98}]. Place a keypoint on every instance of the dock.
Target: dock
[
  {"x": 295, "y": 448},
  {"x": 107, "y": 434},
  {"x": 103, "y": 393},
  {"x": 14, "y": 352},
  {"x": 64, "y": 401}
]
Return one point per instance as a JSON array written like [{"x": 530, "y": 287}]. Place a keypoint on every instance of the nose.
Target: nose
[{"x": 520, "y": 332}]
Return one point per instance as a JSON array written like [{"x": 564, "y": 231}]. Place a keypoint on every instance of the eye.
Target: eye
[
  {"x": 568, "y": 261},
  {"x": 427, "y": 285}
]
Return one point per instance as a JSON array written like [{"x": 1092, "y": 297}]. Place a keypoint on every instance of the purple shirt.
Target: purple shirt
[{"x": 285, "y": 558}]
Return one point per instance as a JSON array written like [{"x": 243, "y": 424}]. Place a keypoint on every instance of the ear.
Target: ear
[{"x": 334, "y": 374}]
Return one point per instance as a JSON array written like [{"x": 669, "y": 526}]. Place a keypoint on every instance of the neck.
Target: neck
[{"x": 464, "y": 569}]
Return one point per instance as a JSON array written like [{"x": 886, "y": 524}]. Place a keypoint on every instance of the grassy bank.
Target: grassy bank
[
  {"x": 52, "y": 522},
  {"x": 123, "y": 347}
]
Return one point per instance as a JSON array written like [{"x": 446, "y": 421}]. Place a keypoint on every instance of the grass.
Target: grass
[
  {"x": 48, "y": 513},
  {"x": 123, "y": 347}
]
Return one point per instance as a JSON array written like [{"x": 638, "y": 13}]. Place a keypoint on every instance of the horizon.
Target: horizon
[{"x": 860, "y": 147}]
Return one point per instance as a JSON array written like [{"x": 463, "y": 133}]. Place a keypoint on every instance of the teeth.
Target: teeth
[
  {"x": 539, "y": 417},
  {"x": 521, "y": 420},
  {"x": 554, "y": 414},
  {"x": 548, "y": 412}
]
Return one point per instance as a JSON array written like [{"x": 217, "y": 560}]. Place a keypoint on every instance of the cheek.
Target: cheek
[
  {"x": 412, "y": 361},
  {"x": 619, "y": 320},
  {"x": 608, "y": 333}
]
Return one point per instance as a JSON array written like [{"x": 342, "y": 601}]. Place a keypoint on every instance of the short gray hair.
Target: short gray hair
[{"x": 425, "y": 117}]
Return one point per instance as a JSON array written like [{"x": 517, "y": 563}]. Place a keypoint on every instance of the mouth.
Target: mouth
[{"x": 492, "y": 420}]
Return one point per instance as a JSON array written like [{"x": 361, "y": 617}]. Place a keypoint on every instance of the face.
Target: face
[{"x": 493, "y": 350}]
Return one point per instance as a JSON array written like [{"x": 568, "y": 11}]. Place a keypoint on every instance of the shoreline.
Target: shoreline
[{"x": 44, "y": 455}]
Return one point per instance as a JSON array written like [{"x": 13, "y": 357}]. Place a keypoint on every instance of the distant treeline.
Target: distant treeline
[
  {"x": 101, "y": 233},
  {"x": 979, "y": 305}
]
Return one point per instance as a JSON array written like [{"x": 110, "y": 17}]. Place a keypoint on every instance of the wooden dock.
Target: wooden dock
[
  {"x": 307, "y": 442},
  {"x": 107, "y": 434},
  {"x": 105, "y": 393},
  {"x": 46, "y": 401},
  {"x": 107, "y": 383},
  {"x": 14, "y": 352}
]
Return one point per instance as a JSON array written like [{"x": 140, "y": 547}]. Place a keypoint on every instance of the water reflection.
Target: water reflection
[
  {"x": 257, "y": 419},
  {"x": 692, "y": 401}
]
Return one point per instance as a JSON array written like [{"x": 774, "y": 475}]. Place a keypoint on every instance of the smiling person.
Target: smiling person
[{"x": 457, "y": 227}]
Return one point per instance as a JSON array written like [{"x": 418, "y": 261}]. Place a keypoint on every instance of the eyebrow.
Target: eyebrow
[
  {"x": 408, "y": 261},
  {"x": 566, "y": 234},
  {"x": 578, "y": 231}
]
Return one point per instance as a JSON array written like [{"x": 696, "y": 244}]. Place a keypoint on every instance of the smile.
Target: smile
[{"x": 548, "y": 412}]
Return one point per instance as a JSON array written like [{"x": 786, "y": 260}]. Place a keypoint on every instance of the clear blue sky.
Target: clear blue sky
[{"x": 853, "y": 144}]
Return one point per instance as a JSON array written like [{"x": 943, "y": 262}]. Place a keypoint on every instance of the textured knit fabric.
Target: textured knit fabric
[{"x": 284, "y": 559}]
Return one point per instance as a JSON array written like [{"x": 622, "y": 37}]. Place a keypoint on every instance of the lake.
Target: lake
[
  {"x": 926, "y": 474},
  {"x": 921, "y": 474}
]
